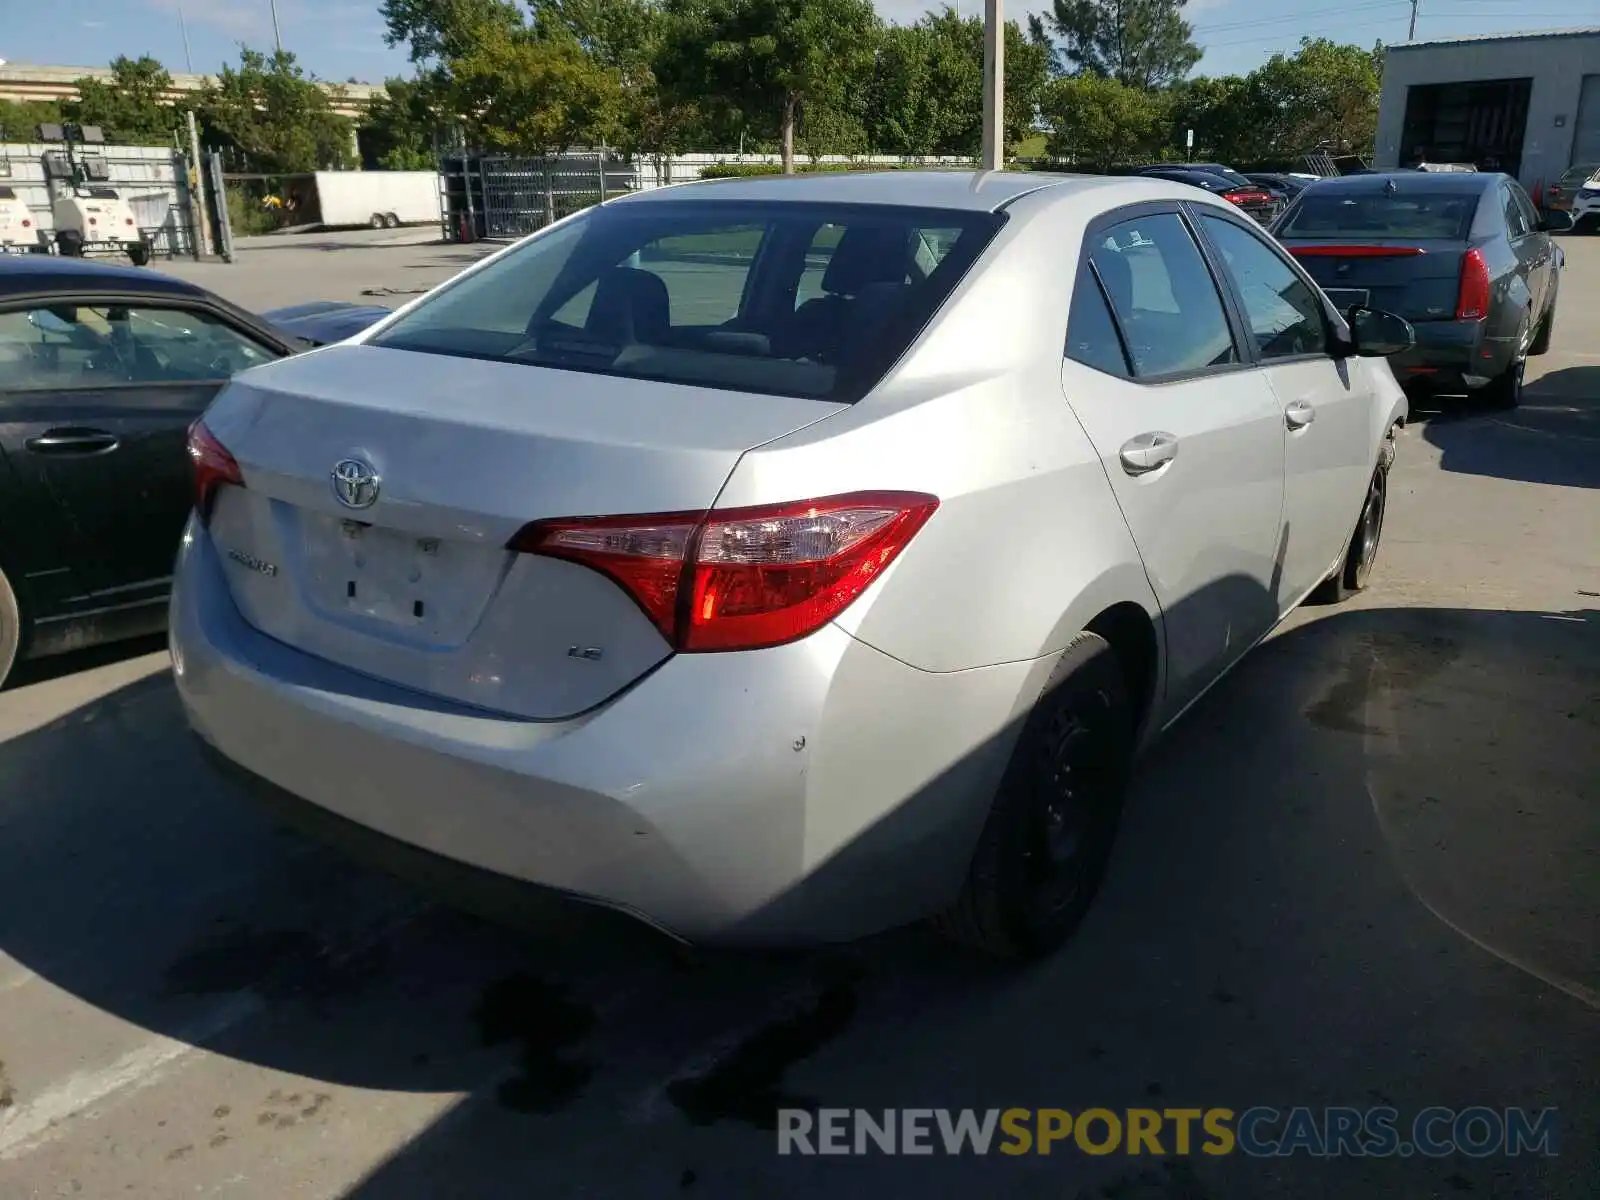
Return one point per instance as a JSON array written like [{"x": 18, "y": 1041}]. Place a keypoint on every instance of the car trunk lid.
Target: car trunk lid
[
  {"x": 1416, "y": 278},
  {"x": 417, "y": 587}
]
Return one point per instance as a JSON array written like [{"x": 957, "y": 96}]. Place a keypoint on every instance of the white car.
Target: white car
[
  {"x": 19, "y": 232},
  {"x": 1586, "y": 201},
  {"x": 822, "y": 571}
]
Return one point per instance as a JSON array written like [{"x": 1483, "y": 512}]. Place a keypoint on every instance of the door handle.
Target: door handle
[
  {"x": 1300, "y": 414},
  {"x": 1148, "y": 452},
  {"x": 73, "y": 441}
]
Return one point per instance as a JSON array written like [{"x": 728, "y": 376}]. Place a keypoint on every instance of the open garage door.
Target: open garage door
[{"x": 1586, "y": 128}]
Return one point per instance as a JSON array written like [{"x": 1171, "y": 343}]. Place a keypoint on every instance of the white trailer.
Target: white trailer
[{"x": 379, "y": 199}]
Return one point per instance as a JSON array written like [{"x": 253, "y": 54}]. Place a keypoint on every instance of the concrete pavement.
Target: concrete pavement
[{"x": 1360, "y": 872}]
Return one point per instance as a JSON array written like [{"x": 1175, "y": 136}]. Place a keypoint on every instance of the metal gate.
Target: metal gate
[{"x": 505, "y": 197}]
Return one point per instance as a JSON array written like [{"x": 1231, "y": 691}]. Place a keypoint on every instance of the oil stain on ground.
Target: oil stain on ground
[
  {"x": 549, "y": 1027},
  {"x": 747, "y": 1083},
  {"x": 7, "y": 1096},
  {"x": 1381, "y": 662}
]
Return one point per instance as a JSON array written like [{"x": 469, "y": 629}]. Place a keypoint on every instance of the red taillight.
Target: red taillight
[
  {"x": 127, "y": 220},
  {"x": 94, "y": 220},
  {"x": 26, "y": 224},
  {"x": 213, "y": 466},
  {"x": 1246, "y": 197},
  {"x": 1356, "y": 251},
  {"x": 742, "y": 578},
  {"x": 1472, "y": 300}
]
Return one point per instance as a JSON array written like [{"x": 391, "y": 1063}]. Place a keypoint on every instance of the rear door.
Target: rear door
[
  {"x": 1188, "y": 431},
  {"x": 1326, "y": 403},
  {"x": 1541, "y": 251},
  {"x": 103, "y": 413}
]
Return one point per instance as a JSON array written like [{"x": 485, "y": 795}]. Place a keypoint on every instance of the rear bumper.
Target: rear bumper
[
  {"x": 1449, "y": 353},
  {"x": 817, "y": 791}
]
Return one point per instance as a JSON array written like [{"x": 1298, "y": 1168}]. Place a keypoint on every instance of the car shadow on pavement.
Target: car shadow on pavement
[
  {"x": 57, "y": 666},
  {"x": 1559, "y": 414},
  {"x": 1359, "y": 872}
]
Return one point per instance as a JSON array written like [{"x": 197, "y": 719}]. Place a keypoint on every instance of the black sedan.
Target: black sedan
[
  {"x": 1250, "y": 198},
  {"x": 102, "y": 370},
  {"x": 1463, "y": 257}
]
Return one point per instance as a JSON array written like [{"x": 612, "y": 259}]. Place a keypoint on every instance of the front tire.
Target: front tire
[
  {"x": 10, "y": 628},
  {"x": 391, "y": 221},
  {"x": 375, "y": 221},
  {"x": 1047, "y": 841}
]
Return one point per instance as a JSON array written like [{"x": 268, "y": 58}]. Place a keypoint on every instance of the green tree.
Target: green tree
[
  {"x": 1325, "y": 94},
  {"x": 1141, "y": 43},
  {"x": 402, "y": 128},
  {"x": 132, "y": 106},
  {"x": 271, "y": 117},
  {"x": 1230, "y": 121},
  {"x": 1100, "y": 122},
  {"x": 438, "y": 30},
  {"x": 760, "y": 62},
  {"x": 927, "y": 92},
  {"x": 533, "y": 94},
  {"x": 18, "y": 118}
]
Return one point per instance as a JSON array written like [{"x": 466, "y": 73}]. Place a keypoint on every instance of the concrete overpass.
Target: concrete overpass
[{"x": 27, "y": 81}]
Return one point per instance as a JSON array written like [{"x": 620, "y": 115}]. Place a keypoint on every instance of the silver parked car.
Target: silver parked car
[{"x": 780, "y": 560}]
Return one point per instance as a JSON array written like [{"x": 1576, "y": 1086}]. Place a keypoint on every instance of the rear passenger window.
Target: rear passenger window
[
  {"x": 1516, "y": 224},
  {"x": 1165, "y": 299},
  {"x": 1091, "y": 335}
]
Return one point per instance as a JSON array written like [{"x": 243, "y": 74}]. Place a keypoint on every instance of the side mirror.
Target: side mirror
[
  {"x": 1555, "y": 221},
  {"x": 1379, "y": 334}
]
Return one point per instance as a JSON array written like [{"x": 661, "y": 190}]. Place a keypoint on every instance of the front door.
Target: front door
[
  {"x": 98, "y": 421},
  {"x": 1326, "y": 402},
  {"x": 1189, "y": 435}
]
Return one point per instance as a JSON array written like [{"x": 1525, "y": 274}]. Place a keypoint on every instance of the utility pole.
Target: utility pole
[
  {"x": 183, "y": 27},
  {"x": 1411, "y": 34},
  {"x": 276, "y": 36},
  {"x": 994, "y": 86}
]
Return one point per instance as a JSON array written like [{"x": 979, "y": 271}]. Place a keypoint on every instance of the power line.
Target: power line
[
  {"x": 1294, "y": 17},
  {"x": 1285, "y": 34}
]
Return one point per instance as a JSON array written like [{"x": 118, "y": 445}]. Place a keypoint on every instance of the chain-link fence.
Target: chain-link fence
[{"x": 154, "y": 180}]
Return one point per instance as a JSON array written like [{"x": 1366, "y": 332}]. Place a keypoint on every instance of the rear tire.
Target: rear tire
[
  {"x": 375, "y": 221},
  {"x": 70, "y": 243},
  {"x": 391, "y": 221},
  {"x": 139, "y": 254},
  {"x": 1504, "y": 391},
  {"x": 1047, "y": 841},
  {"x": 10, "y": 628}
]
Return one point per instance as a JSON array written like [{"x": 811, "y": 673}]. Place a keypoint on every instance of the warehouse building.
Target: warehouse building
[{"x": 1527, "y": 104}]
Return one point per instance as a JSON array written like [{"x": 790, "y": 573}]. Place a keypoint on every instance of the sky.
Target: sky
[{"x": 343, "y": 39}]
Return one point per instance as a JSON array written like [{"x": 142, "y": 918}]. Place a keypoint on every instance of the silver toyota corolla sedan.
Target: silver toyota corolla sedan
[{"x": 780, "y": 560}]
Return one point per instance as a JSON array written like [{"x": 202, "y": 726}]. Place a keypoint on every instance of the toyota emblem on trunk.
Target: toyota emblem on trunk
[{"x": 355, "y": 483}]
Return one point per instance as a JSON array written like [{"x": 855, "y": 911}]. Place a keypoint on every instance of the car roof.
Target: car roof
[
  {"x": 1411, "y": 183},
  {"x": 47, "y": 272},
  {"x": 972, "y": 191}
]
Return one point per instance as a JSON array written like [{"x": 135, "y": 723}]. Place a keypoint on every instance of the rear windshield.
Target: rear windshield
[
  {"x": 1424, "y": 215},
  {"x": 102, "y": 193},
  {"x": 793, "y": 299},
  {"x": 1577, "y": 175},
  {"x": 7, "y": 194}
]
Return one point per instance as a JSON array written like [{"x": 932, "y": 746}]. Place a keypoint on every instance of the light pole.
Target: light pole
[
  {"x": 276, "y": 36},
  {"x": 994, "y": 85}
]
